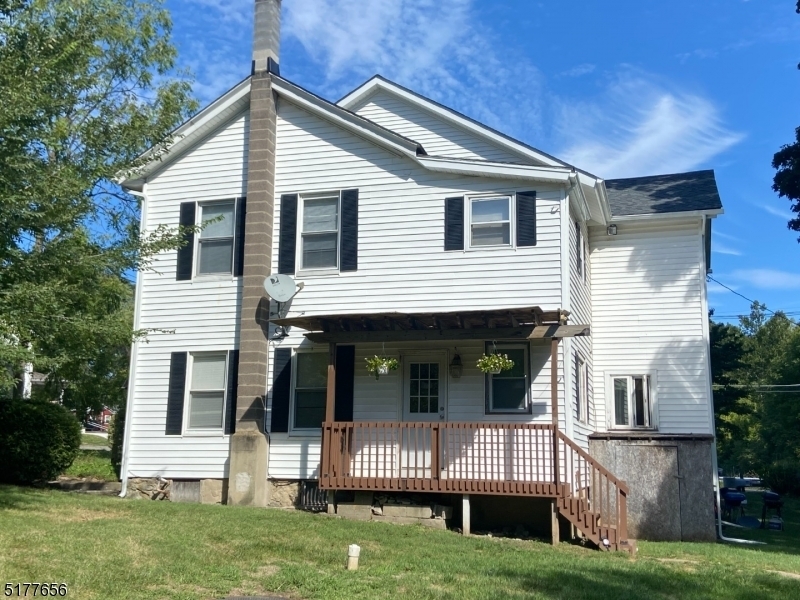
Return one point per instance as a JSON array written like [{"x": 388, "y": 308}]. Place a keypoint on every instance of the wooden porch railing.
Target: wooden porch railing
[{"x": 517, "y": 459}]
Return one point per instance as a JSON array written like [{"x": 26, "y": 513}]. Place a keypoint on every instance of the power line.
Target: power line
[{"x": 738, "y": 294}]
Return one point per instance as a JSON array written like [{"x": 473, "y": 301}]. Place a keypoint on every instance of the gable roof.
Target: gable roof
[
  {"x": 664, "y": 194},
  {"x": 378, "y": 82}
]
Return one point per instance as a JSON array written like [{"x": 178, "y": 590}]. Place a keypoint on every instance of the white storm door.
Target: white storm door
[{"x": 424, "y": 399}]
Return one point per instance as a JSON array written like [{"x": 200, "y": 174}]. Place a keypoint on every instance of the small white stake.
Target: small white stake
[{"x": 352, "y": 557}]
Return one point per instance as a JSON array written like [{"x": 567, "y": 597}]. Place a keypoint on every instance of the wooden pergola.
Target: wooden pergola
[{"x": 527, "y": 323}]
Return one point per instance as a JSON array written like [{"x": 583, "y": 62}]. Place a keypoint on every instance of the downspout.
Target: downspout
[
  {"x": 134, "y": 351},
  {"x": 706, "y": 246}
]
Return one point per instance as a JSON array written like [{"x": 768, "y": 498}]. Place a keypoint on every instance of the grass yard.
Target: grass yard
[
  {"x": 108, "y": 548},
  {"x": 94, "y": 440},
  {"x": 92, "y": 464}
]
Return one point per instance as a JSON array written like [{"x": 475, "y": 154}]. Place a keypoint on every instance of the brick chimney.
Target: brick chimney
[{"x": 247, "y": 479}]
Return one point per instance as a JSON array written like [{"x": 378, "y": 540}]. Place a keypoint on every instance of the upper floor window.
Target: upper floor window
[
  {"x": 632, "y": 401},
  {"x": 207, "y": 392},
  {"x": 508, "y": 391},
  {"x": 490, "y": 221},
  {"x": 579, "y": 249},
  {"x": 319, "y": 237},
  {"x": 310, "y": 389},
  {"x": 215, "y": 243}
]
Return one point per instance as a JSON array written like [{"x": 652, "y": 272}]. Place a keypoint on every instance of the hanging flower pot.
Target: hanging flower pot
[
  {"x": 495, "y": 363},
  {"x": 381, "y": 365}
]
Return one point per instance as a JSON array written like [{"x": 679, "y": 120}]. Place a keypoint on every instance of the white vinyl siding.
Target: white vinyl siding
[
  {"x": 192, "y": 316},
  {"x": 647, "y": 308},
  {"x": 437, "y": 136}
]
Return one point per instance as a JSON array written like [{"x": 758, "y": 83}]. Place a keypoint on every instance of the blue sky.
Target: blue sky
[{"x": 620, "y": 88}]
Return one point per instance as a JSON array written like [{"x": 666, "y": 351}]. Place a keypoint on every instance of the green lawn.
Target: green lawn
[
  {"x": 94, "y": 440},
  {"x": 93, "y": 464},
  {"x": 109, "y": 548}
]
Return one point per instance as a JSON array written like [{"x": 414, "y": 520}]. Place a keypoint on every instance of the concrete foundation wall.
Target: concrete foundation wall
[
  {"x": 203, "y": 491},
  {"x": 670, "y": 480}
]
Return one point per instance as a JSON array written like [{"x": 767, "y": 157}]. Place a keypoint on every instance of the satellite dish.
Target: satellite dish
[{"x": 280, "y": 288}]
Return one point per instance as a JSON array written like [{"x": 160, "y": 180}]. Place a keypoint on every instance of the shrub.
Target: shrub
[
  {"x": 116, "y": 436},
  {"x": 38, "y": 440}
]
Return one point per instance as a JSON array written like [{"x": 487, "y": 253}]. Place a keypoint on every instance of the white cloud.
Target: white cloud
[
  {"x": 726, "y": 236},
  {"x": 435, "y": 47},
  {"x": 723, "y": 249},
  {"x": 768, "y": 279},
  {"x": 578, "y": 70},
  {"x": 641, "y": 128},
  {"x": 715, "y": 288},
  {"x": 777, "y": 212}
]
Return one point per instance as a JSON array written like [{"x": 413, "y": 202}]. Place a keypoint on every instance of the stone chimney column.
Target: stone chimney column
[{"x": 249, "y": 452}]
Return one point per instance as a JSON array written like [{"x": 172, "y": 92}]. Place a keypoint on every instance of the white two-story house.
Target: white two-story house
[{"x": 417, "y": 234}]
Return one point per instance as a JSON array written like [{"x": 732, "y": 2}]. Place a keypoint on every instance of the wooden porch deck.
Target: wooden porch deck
[{"x": 509, "y": 459}]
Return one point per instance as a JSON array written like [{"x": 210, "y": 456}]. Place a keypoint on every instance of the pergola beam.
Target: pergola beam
[{"x": 525, "y": 332}]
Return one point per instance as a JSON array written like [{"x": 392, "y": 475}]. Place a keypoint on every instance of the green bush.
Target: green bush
[
  {"x": 116, "y": 436},
  {"x": 38, "y": 440},
  {"x": 782, "y": 477}
]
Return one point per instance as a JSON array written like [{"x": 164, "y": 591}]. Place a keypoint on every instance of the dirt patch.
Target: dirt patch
[
  {"x": 786, "y": 574},
  {"x": 80, "y": 515},
  {"x": 683, "y": 561}
]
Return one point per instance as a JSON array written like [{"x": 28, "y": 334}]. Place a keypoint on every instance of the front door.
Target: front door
[
  {"x": 424, "y": 393},
  {"x": 424, "y": 399}
]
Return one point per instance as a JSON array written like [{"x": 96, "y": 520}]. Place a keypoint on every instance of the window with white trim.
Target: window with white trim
[
  {"x": 215, "y": 242},
  {"x": 490, "y": 222},
  {"x": 319, "y": 237},
  {"x": 632, "y": 401},
  {"x": 310, "y": 389},
  {"x": 207, "y": 392},
  {"x": 581, "y": 389},
  {"x": 509, "y": 391}
]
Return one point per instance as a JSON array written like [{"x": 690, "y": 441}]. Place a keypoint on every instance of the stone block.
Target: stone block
[
  {"x": 432, "y": 523},
  {"x": 283, "y": 494},
  {"x": 213, "y": 491},
  {"x": 414, "y": 512},
  {"x": 247, "y": 484},
  {"x": 185, "y": 491},
  {"x": 356, "y": 512}
]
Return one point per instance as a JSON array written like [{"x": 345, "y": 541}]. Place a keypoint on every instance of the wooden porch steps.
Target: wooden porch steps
[{"x": 579, "y": 514}]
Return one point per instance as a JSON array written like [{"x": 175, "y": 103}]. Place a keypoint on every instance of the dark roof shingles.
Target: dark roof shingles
[{"x": 657, "y": 194}]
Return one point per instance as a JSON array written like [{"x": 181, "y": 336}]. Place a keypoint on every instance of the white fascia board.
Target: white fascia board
[
  {"x": 558, "y": 175},
  {"x": 687, "y": 214},
  {"x": 602, "y": 195},
  {"x": 576, "y": 190},
  {"x": 345, "y": 119},
  {"x": 376, "y": 83},
  {"x": 189, "y": 132}
]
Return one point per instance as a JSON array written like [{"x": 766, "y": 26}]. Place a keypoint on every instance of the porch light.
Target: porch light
[{"x": 456, "y": 367}]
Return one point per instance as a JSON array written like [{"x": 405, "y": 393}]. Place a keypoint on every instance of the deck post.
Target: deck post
[
  {"x": 465, "y": 514},
  {"x": 330, "y": 403},
  {"x": 554, "y": 527},
  {"x": 554, "y": 406}
]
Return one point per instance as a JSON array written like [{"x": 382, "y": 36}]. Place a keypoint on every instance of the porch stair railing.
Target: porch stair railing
[{"x": 511, "y": 459}]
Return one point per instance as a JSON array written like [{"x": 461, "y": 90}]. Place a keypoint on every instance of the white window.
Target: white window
[
  {"x": 215, "y": 243},
  {"x": 632, "y": 401},
  {"x": 581, "y": 389},
  {"x": 319, "y": 238},
  {"x": 490, "y": 221},
  {"x": 579, "y": 249},
  {"x": 508, "y": 391},
  {"x": 207, "y": 392},
  {"x": 310, "y": 389}
]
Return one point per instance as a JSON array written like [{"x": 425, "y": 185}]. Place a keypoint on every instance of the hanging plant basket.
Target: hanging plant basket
[
  {"x": 495, "y": 363},
  {"x": 381, "y": 365}
]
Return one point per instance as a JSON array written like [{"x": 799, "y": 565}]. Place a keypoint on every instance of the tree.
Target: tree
[
  {"x": 86, "y": 87},
  {"x": 787, "y": 179}
]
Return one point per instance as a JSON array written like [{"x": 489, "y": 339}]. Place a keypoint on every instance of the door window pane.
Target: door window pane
[
  {"x": 424, "y": 388},
  {"x": 621, "y": 401}
]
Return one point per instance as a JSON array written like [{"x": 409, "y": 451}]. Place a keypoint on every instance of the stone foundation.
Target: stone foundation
[
  {"x": 204, "y": 491},
  {"x": 670, "y": 480},
  {"x": 400, "y": 509},
  {"x": 283, "y": 494}
]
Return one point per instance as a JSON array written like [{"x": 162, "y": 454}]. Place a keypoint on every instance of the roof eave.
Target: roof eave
[
  {"x": 557, "y": 175},
  {"x": 714, "y": 212}
]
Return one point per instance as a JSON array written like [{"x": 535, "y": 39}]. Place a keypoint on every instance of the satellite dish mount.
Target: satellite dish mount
[{"x": 281, "y": 288}]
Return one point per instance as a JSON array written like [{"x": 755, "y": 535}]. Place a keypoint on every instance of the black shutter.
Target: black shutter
[
  {"x": 526, "y": 219},
  {"x": 281, "y": 389},
  {"x": 454, "y": 223},
  {"x": 349, "y": 255},
  {"x": 238, "y": 244},
  {"x": 177, "y": 388},
  {"x": 287, "y": 243},
  {"x": 345, "y": 382},
  {"x": 233, "y": 384},
  {"x": 186, "y": 252}
]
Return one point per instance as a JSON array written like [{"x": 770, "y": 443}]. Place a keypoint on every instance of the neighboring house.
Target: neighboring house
[{"x": 422, "y": 235}]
